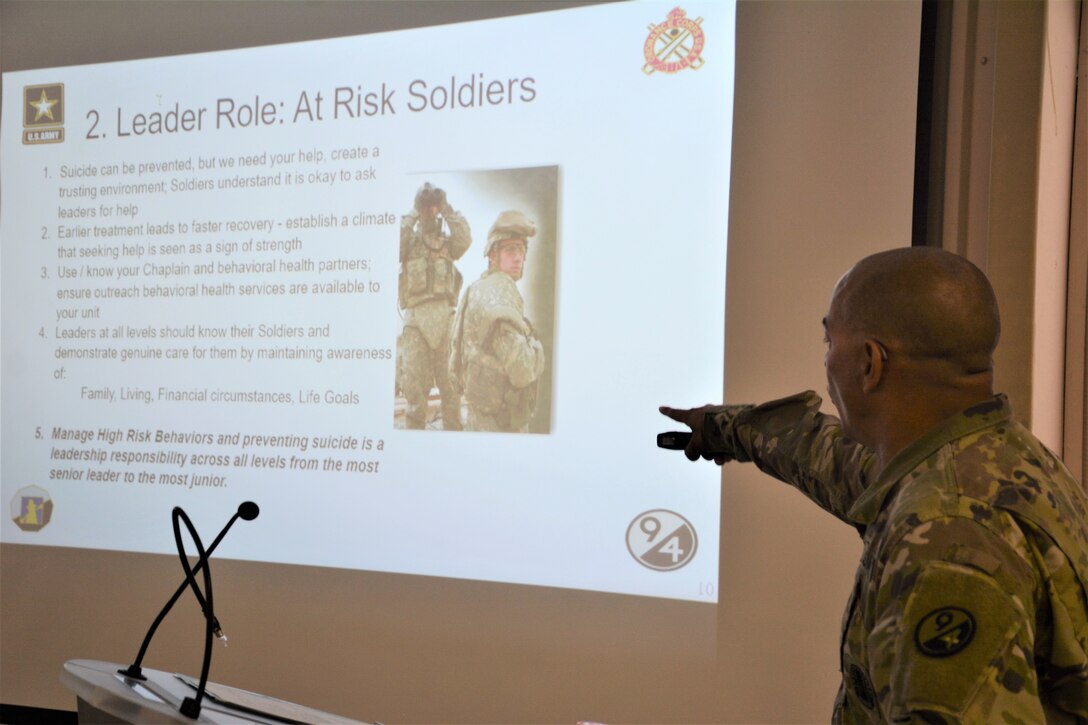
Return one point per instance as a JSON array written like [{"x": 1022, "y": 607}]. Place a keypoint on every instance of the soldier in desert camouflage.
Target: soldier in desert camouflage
[
  {"x": 495, "y": 355},
  {"x": 428, "y": 288},
  {"x": 971, "y": 598}
]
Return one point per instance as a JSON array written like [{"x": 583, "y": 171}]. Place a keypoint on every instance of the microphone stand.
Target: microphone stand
[
  {"x": 190, "y": 706},
  {"x": 247, "y": 511}
]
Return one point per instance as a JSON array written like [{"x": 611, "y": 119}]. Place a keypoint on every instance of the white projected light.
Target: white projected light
[{"x": 204, "y": 298}]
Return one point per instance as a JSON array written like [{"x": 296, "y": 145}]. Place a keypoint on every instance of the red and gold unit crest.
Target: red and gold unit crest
[{"x": 674, "y": 45}]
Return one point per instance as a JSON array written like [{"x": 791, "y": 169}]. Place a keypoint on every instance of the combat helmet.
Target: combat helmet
[{"x": 510, "y": 225}]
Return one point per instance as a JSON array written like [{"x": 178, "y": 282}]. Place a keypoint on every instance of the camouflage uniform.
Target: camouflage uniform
[
  {"x": 971, "y": 599},
  {"x": 495, "y": 355},
  {"x": 428, "y": 290}
]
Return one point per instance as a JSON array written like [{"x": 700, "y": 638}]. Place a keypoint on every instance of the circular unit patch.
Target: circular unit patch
[
  {"x": 944, "y": 632},
  {"x": 661, "y": 540}
]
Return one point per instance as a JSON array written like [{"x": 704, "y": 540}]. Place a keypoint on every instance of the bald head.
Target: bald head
[{"x": 927, "y": 303}]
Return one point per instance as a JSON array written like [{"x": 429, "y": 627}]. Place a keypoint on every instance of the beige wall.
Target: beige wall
[
  {"x": 1076, "y": 339},
  {"x": 1010, "y": 201},
  {"x": 822, "y": 171},
  {"x": 1056, "y": 116},
  {"x": 822, "y": 174}
]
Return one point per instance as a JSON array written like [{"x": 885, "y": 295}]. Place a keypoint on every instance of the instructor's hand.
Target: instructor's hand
[{"x": 694, "y": 418}]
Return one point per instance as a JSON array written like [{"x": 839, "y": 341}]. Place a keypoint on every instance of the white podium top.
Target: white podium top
[{"x": 158, "y": 698}]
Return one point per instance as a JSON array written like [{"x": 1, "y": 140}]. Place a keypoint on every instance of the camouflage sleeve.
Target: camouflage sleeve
[
  {"x": 955, "y": 627},
  {"x": 407, "y": 229},
  {"x": 521, "y": 355},
  {"x": 460, "y": 234},
  {"x": 793, "y": 441}
]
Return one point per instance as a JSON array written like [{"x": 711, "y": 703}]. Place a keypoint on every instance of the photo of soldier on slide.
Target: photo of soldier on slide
[
  {"x": 432, "y": 236},
  {"x": 480, "y": 360}
]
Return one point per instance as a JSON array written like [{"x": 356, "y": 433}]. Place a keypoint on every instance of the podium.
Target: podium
[{"x": 104, "y": 695}]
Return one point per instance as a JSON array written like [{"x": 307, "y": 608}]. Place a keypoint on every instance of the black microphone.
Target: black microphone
[{"x": 247, "y": 511}]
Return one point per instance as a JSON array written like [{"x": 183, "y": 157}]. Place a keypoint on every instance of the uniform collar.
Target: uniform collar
[{"x": 973, "y": 419}]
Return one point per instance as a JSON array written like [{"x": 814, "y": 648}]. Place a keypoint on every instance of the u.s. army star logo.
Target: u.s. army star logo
[
  {"x": 674, "y": 45},
  {"x": 944, "y": 632},
  {"x": 43, "y": 113}
]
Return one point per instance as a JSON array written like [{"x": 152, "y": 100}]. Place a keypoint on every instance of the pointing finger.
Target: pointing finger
[{"x": 674, "y": 413}]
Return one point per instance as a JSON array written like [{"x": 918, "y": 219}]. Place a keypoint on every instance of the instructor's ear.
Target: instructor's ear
[{"x": 876, "y": 358}]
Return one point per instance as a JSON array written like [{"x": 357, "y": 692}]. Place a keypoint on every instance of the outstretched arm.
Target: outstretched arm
[{"x": 789, "y": 439}]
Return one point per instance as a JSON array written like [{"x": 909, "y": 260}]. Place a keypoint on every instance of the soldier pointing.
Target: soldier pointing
[{"x": 971, "y": 598}]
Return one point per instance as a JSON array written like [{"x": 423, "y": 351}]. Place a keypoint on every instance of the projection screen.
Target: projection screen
[{"x": 218, "y": 250}]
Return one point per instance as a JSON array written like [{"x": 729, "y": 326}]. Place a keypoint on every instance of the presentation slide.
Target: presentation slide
[{"x": 416, "y": 294}]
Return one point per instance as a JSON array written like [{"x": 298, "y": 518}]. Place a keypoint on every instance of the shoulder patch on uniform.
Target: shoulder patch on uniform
[
  {"x": 958, "y": 626},
  {"x": 944, "y": 632}
]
